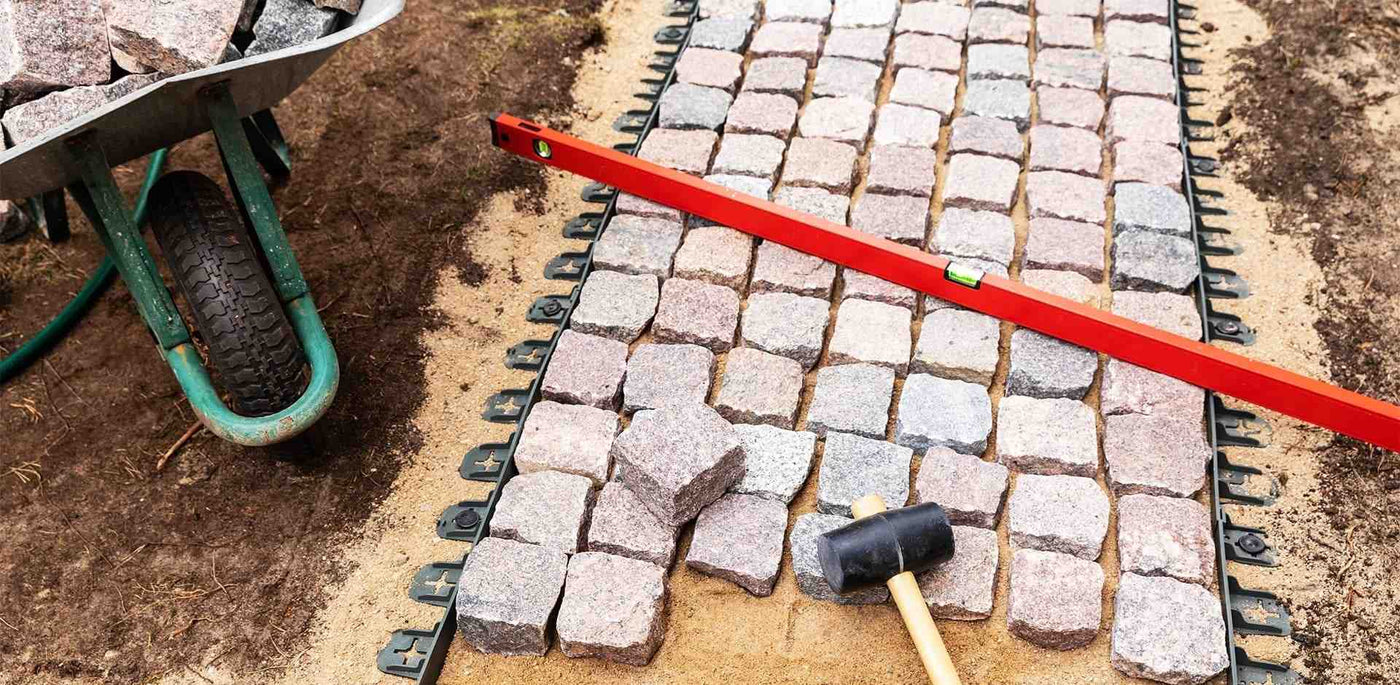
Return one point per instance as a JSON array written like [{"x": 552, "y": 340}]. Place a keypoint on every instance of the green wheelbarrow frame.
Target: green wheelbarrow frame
[{"x": 244, "y": 144}]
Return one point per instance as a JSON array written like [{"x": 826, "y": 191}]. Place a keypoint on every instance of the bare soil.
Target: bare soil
[{"x": 114, "y": 572}]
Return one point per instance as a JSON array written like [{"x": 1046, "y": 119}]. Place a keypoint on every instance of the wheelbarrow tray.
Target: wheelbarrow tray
[{"x": 168, "y": 112}]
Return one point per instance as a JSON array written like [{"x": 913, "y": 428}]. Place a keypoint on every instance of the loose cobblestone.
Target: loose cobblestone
[
  {"x": 686, "y": 105},
  {"x": 698, "y": 313},
  {"x": 622, "y": 525},
  {"x": 964, "y": 587},
  {"x": 759, "y": 387},
  {"x": 1044, "y": 367},
  {"x": 871, "y": 333},
  {"x": 1000, "y": 98},
  {"x": 1159, "y": 454},
  {"x": 1068, "y": 68},
  {"x": 1167, "y": 631},
  {"x": 787, "y": 39},
  {"x": 854, "y": 466},
  {"x": 546, "y": 508},
  {"x": 1055, "y": 599},
  {"x": 713, "y": 68},
  {"x": 1141, "y": 76},
  {"x": 1061, "y": 195},
  {"x": 615, "y": 305},
  {"x": 901, "y": 218},
  {"x": 1066, "y": 514},
  {"x": 1047, "y": 437},
  {"x": 1135, "y": 39},
  {"x": 614, "y": 608},
  {"x": 776, "y": 461},
  {"x": 997, "y": 25},
  {"x": 679, "y": 459},
  {"x": 783, "y": 269},
  {"x": 1061, "y": 148},
  {"x": 687, "y": 151},
  {"x": 1151, "y": 261},
  {"x": 851, "y": 398},
  {"x": 638, "y": 245},
  {"x": 715, "y": 254},
  {"x": 901, "y": 170},
  {"x": 867, "y": 45},
  {"x": 998, "y": 60},
  {"x": 969, "y": 489},
  {"x": 739, "y": 538},
  {"x": 1167, "y": 311},
  {"x": 807, "y": 566},
  {"x": 783, "y": 75},
  {"x": 845, "y": 120},
  {"x": 568, "y": 438},
  {"x": 1153, "y": 120},
  {"x": 1152, "y": 163},
  {"x": 722, "y": 33},
  {"x": 958, "y": 344},
  {"x": 1139, "y": 206},
  {"x": 986, "y": 136},
  {"x": 506, "y": 596},
  {"x": 938, "y": 412},
  {"x": 935, "y": 90},
  {"x": 787, "y": 324},
  {"x": 935, "y": 53},
  {"x": 981, "y": 182},
  {"x": 1166, "y": 536},
  {"x": 658, "y": 375},
  {"x": 1065, "y": 245},
  {"x": 934, "y": 18},
  {"x": 769, "y": 114},
  {"x": 820, "y": 163},
  {"x": 904, "y": 125},
  {"x": 585, "y": 369},
  {"x": 1070, "y": 107}
]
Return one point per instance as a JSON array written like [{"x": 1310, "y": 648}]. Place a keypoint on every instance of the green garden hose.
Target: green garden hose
[{"x": 76, "y": 308}]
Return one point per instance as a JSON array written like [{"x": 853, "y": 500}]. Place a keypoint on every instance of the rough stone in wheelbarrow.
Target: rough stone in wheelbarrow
[
  {"x": 53, "y": 44},
  {"x": 32, "y": 119},
  {"x": 284, "y": 23},
  {"x": 172, "y": 38}
]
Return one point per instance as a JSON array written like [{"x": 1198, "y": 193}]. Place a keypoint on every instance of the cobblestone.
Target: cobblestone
[
  {"x": 986, "y": 136},
  {"x": 1064, "y": 31},
  {"x": 1065, "y": 245},
  {"x": 784, "y": 75},
  {"x": 981, "y": 182},
  {"x": 871, "y": 333},
  {"x": 739, "y": 538},
  {"x": 786, "y": 324},
  {"x": 686, "y": 105},
  {"x": 568, "y": 438},
  {"x": 1167, "y": 631},
  {"x": 721, "y": 33},
  {"x": 1141, "y": 76},
  {"x": 1158, "y": 454},
  {"x": 687, "y": 151},
  {"x": 614, "y": 608},
  {"x": 1044, "y": 367},
  {"x": 861, "y": 286},
  {"x": 787, "y": 39},
  {"x": 1061, "y": 148},
  {"x": 901, "y": 218},
  {"x": 935, "y": 90},
  {"x": 844, "y": 120},
  {"x": 1134, "y": 39},
  {"x": 1166, "y": 536},
  {"x": 841, "y": 77},
  {"x": 1070, "y": 107},
  {"x": 770, "y": 114},
  {"x": 851, "y": 398},
  {"x": 934, "y": 18},
  {"x": 713, "y": 68},
  {"x": 1061, "y": 195},
  {"x": 963, "y": 588},
  {"x": 937, "y": 412},
  {"x": 901, "y": 170},
  {"x": 659, "y": 375},
  {"x": 715, "y": 254},
  {"x": 638, "y": 245},
  {"x": 1152, "y": 163},
  {"x": 1067, "y": 68},
  {"x": 750, "y": 155},
  {"x": 506, "y": 595},
  {"x": 1158, "y": 11},
  {"x": 783, "y": 269},
  {"x": 622, "y": 525},
  {"x": 997, "y": 25},
  {"x": 1000, "y": 98},
  {"x": 854, "y": 466},
  {"x": 969, "y": 489},
  {"x": 814, "y": 11},
  {"x": 815, "y": 201},
  {"x": 1047, "y": 437},
  {"x": 631, "y": 205},
  {"x": 698, "y": 313},
  {"x": 615, "y": 305},
  {"x": 1078, "y": 8},
  {"x": 958, "y": 344},
  {"x": 1167, "y": 311},
  {"x": 759, "y": 387},
  {"x": 1055, "y": 599},
  {"x": 729, "y": 8},
  {"x": 1066, "y": 514},
  {"x": 1139, "y": 206},
  {"x": 998, "y": 61},
  {"x": 546, "y": 508},
  {"x": 1146, "y": 260},
  {"x": 776, "y": 461},
  {"x": 988, "y": 236},
  {"x": 1066, "y": 284},
  {"x": 859, "y": 13},
  {"x": 585, "y": 369},
  {"x": 1133, "y": 117},
  {"x": 678, "y": 459},
  {"x": 1129, "y": 389},
  {"x": 802, "y": 543},
  {"x": 867, "y": 45},
  {"x": 904, "y": 125},
  {"x": 935, "y": 53},
  {"x": 820, "y": 163}
]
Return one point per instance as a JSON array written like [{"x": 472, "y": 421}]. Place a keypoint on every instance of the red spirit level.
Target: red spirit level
[{"x": 1192, "y": 361}]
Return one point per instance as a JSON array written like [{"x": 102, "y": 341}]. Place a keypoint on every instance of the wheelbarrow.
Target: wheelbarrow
[{"x": 248, "y": 297}]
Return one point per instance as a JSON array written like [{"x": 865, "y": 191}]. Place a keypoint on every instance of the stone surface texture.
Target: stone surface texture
[
  {"x": 981, "y": 182},
  {"x": 713, "y": 68},
  {"x": 986, "y": 136},
  {"x": 987, "y": 236},
  {"x": 934, "y": 18},
  {"x": 771, "y": 114},
  {"x": 749, "y": 155},
  {"x": 958, "y": 344},
  {"x": 1167, "y": 631},
  {"x": 901, "y": 170},
  {"x": 1055, "y": 599},
  {"x": 901, "y": 218},
  {"x": 1165, "y": 536},
  {"x": 759, "y": 387},
  {"x": 585, "y": 369},
  {"x": 854, "y": 466},
  {"x": 1066, "y": 514},
  {"x": 54, "y": 44},
  {"x": 1047, "y": 436},
  {"x": 814, "y": 162},
  {"x": 686, "y": 105},
  {"x": 1155, "y": 262},
  {"x": 969, "y": 489},
  {"x": 782, "y": 269},
  {"x": 1044, "y": 367},
  {"x": 935, "y": 90},
  {"x": 1168, "y": 311},
  {"x": 1070, "y": 107},
  {"x": 614, "y": 608},
  {"x": 1158, "y": 454},
  {"x": 506, "y": 595},
  {"x": 623, "y": 526},
  {"x": 776, "y": 461},
  {"x": 964, "y": 587},
  {"x": 1129, "y": 389},
  {"x": 740, "y": 538},
  {"x": 871, "y": 333},
  {"x": 939, "y": 412},
  {"x": 173, "y": 38},
  {"x": 1144, "y": 207},
  {"x": 905, "y": 125},
  {"x": 697, "y": 313},
  {"x": 1063, "y": 148},
  {"x": 546, "y": 508},
  {"x": 285, "y": 23},
  {"x": 802, "y": 544},
  {"x": 568, "y": 438},
  {"x": 1062, "y": 195},
  {"x": 843, "y": 119},
  {"x": 715, "y": 254},
  {"x": 1065, "y": 246},
  {"x": 658, "y": 375},
  {"x": 788, "y": 325},
  {"x": 934, "y": 53},
  {"x": 638, "y": 245},
  {"x": 851, "y": 398},
  {"x": 679, "y": 459},
  {"x": 615, "y": 305},
  {"x": 999, "y": 98}
]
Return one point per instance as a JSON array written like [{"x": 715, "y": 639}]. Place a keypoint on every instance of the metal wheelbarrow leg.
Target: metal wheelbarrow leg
[{"x": 102, "y": 202}]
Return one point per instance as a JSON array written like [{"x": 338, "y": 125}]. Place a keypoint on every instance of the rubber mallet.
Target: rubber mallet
[{"x": 890, "y": 547}]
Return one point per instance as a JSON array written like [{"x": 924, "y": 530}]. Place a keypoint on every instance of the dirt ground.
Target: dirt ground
[
  {"x": 114, "y": 572},
  {"x": 300, "y": 575}
]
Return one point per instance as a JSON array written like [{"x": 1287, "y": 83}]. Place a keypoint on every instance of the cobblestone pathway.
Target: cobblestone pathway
[{"x": 1039, "y": 142}]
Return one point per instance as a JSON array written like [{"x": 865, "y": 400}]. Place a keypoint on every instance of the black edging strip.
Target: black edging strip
[
  {"x": 1225, "y": 427},
  {"x": 420, "y": 654}
]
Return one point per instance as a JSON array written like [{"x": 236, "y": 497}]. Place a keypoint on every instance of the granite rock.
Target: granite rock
[
  {"x": 686, "y": 151},
  {"x": 840, "y": 77},
  {"x": 998, "y": 60},
  {"x": 1069, "y": 107},
  {"x": 815, "y": 11},
  {"x": 546, "y": 508},
  {"x": 934, "y": 90},
  {"x": 712, "y": 68},
  {"x": 1166, "y": 536},
  {"x": 1137, "y": 39},
  {"x": 814, "y": 201},
  {"x": 871, "y": 333},
  {"x": 567, "y": 438},
  {"x": 787, "y": 39},
  {"x": 934, "y": 53},
  {"x": 1157, "y": 454},
  {"x": 698, "y": 313},
  {"x": 860, "y": 13},
  {"x": 1061, "y": 195},
  {"x": 637, "y": 245},
  {"x": 806, "y": 565},
  {"x": 988, "y": 236},
  {"x": 901, "y": 170},
  {"x": 782, "y": 269},
  {"x": 285, "y": 23},
  {"x": 1166, "y": 311},
  {"x": 1066, "y": 284},
  {"x": 963, "y": 588},
  {"x": 750, "y": 155},
  {"x": 1154, "y": 262},
  {"x": 934, "y": 18},
  {"x": 1047, "y": 436},
  {"x": 172, "y": 38},
  {"x": 844, "y": 119},
  {"x": 854, "y": 466},
  {"x": 904, "y": 125},
  {"x": 715, "y": 254},
  {"x": 861, "y": 286},
  {"x": 813, "y": 162},
  {"x": 986, "y": 136},
  {"x": 997, "y": 25},
  {"x": 981, "y": 182},
  {"x": 615, "y": 305},
  {"x": 1153, "y": 120},
  {"x": 506, "y": 596},
  {"x": 740, "y": 538},
  {"x": 623, "y": 526},
  {"x": 777, "y": 75},
  {"x": 1055, "y": 599},
  {"x": 786, "y": 324},
  {"x": 1064, "y": 148},
  {"x": 901, "y": 218},
  {"x": 52, "y": 44},
  {"x": 1065, "y": 246},
  {"x": 867, "y": 45},
  {"x": 1044, "y": 367},
  {"x": 776, "y": 461},
  {"x": 585, "y": 369},
  {"x": 1069, "y": 68},
  {"x": 678, "y": 459},
  {"x": 614, "y": 608},
  {"x": 938, "y": 412},
  {"x": 1139, "y": 206},
  {"x": 759, "y": 387},
  {"x": 999, "y": 98},
  {"x": 1064, "y": 31},
  {"x": 1141, "y": 76},
  {"x": 1129, "y": 389},
  {"x": 658, "y": 375},
  {"x": 851, "y": 398},
  {"x": 1066, "y": 514},
  {"x": 969, "y": 489},
  {"x": 721, "y": 33},
  {"x": 1168, "y": 631},
  {"x": 686, "y": 105},
  {"x": 1142, "y": 162}
]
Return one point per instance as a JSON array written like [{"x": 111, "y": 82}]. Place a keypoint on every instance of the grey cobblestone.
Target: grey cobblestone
[
  {"x": 678, "y": 459},
  {"x": 904, "y": 125},
  {"x": 981, "y": 182},
  {"x": 1140, "y": 206},
  {"x": 739, "y": 538},
  {"x": 687, "y": 151},
  {"x": 776, "y": 461},
  {"x": 1065, "y": 245},
  {"x": 729, "y": 8},
  {"x": 1044, "y": 367},
  {"x": 786, "y": 324},
  {"x": 1064, "y": 31},
  {"x": 1141, "y": 76},
  {"x": 814, "y": 11},
  {"x": 569, "y": 438},
  {"x": 585, "y": 369},
  {"x": 1000, "y": 98},
  {"x": 998, "y": 60},
  {"x": 1151, "y": 163},
  {"x": 1158, "y": 11},
  {"x": 902, "y": 170},
  {"x": 854, "y": 466},
  {"x": 814, "y": 162},
  {"x": 771, "y": 114},
  {"x": 802, "y": 542},
  {"x": 506, "y": 596},
  {"x": 787, "y": 39},
  {"x": 867, "y": 45},
  {"x": 713, "y": 68},
  {"x": 1066, "y": 284},
  {"x": 685, "y": 105},
  {"x": 1166, "y": 311},
  {"x": 901, "y": 218},
  {"x": 1055, "y": 599},
  {"x": 750, "y": 155},
  {"x": 715, "y": 254},
  {"x": 937, "y": 412},
  {"x": 1151, "y": 261},
  {"x": 1066, "y": 514},
  {"x": 935, "y": 53},
  {"x": 861, "y": 286},
  {"x": 986, "y": 136},
  {"x": 784, "y": 75},
  {"x": 759, "y": 387},
  {"x": 1061, "y": 195},
  {"x": 622, "y": 525},
  {"x": 1135, "y": 39},
  {"x": 1166, "y": 536},
  {"x": 815, "y": 201},
  {"x": 964, "y": 233},
  {"x": 1129, "y": 389},
  {"x": 1159, "y": 454},
  {"x": 871, "y": 333},
  {"x": 1167, "y": 631},
  {"x": 1078, "y": 8},
  {"x": 969, "y": 489},
  {"x": 934, "y": 18},
  {"x": 1070, "y": 107},
  {"x": 698, "y": 313},
  {"x": 614, "y": 608},
  {"x": 1067, "y": 68},
  {"x": 615, "y": 305},
  {"x": 1133, "y": 117},
  {"x": 638, "y": 245},
  {"x": 1047, "y": 437},
  {"x": 658, "y": 375},
  {"x": 1021, "y": 6},
  {"x": 964, "y": 587},
  {"x": 844, "y": 120},
  {"x": 783, "y": 269},
  {"x": 997, "y": 25},
  {"x": 860, "y": 13},
  {"x": 935, "y": 90},
  {"x": 851, "y": 398},
  {"x": 545, "y": 508},
  {"x": 1062, "y": 148},
  {"x": 631, "y": 205},
  {"x": 722, "y": 33},
  {"x": 841, "y": 77},
  {"x": 958, "y": 344}
]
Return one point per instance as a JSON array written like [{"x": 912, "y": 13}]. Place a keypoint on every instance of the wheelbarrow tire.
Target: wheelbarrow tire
[{"x": 217, "y": 269}]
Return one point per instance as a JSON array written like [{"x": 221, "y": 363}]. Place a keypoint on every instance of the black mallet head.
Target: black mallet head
[{"x": 871, "y": 550}]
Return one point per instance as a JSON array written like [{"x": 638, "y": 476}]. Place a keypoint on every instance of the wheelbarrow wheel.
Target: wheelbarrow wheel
[{"x": 218, "y": 271}]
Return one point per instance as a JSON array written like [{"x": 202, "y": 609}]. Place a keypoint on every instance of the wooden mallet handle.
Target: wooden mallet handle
[{"x": 905, "y": 590}]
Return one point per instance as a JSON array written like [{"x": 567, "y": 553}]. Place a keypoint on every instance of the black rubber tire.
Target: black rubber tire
[{"x": 217, "y": 269}]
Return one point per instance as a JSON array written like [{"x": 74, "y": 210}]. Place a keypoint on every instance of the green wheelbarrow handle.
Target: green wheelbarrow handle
[{"x": 259, "y": 431}]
